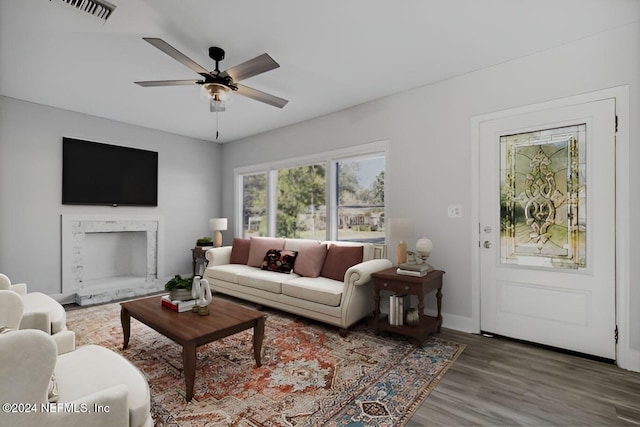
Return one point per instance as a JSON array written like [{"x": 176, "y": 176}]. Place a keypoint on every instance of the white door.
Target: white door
[{"x": 547, "y": 227}]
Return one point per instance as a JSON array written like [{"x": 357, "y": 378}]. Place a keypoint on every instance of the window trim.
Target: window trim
[{"x": 329, "y": 158}]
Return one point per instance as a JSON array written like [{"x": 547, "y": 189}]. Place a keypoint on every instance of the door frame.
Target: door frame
[{"x": 624, "y": 358}]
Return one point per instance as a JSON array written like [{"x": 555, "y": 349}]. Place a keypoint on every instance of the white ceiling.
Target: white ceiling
[{"x": 333, "y": 53}]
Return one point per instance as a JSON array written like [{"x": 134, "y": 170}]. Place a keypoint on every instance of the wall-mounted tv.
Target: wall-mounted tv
[{"x": 102, "y": 174}]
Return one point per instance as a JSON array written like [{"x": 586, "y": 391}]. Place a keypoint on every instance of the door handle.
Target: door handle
[{"x": 487, "y": 244}]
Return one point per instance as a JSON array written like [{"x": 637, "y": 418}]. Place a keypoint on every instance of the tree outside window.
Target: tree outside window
[
  {"x": 254, "y": 205},
  {"x": 301, "y": 200}
]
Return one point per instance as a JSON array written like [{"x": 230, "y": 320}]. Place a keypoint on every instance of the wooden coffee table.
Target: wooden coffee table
[{"x": 191, "y": 330}]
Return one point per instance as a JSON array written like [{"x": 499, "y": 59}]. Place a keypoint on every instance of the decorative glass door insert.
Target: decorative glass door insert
[{"x": 543, "y": 198}]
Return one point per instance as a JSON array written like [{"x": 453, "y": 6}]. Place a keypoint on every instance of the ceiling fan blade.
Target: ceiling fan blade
[
  {"x": 252, "y": 67},
  {"x": 261, "y": 96},
  {"x": 177, "y": 55},
  {"x": 152, "y": 83}
]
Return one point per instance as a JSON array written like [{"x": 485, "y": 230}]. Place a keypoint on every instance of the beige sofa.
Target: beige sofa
[{"x": 337, "y": 302}]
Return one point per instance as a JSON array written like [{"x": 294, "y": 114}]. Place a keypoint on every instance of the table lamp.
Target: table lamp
[{"x": 217, "y": 225}]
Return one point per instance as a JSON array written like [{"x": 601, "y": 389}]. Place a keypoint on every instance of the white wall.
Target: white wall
[
  {"x": 31, "y": 188},
  {"x": 429, "y": 130}
]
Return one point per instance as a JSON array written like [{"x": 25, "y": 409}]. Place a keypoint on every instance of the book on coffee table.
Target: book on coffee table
[{"x": 176, "y": 305}]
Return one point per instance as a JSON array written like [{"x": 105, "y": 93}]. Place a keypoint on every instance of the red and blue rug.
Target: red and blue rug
[{"x": 310, "y": 376}]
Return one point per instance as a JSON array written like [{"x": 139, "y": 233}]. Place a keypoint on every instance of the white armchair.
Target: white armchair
[
  {"x": 44, "y": 313},
  {"x": 96, "y": 387}
]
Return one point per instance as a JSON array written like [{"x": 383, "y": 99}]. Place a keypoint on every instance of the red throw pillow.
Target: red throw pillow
[
  {"x": 339, "y": 259},
  {"x": 310, "y": 260},
  {"x": 259, "y": 247},
  {"x": 240, "y": 251}
]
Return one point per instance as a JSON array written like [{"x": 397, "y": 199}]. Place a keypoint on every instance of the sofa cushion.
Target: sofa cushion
[
  {"x": 310, "y": 259},
  {"x": 280, "y": 261},
  {"x": 266, "y": 280},
  {"x": 339, "y": 259},
  {"x": 259, "y": 247},
  {"x": 228, "y": 272},
  {"x": 113, "y": 370},
  {"x": 240, "y": 251},
  {"x": 320, "y": 290}
]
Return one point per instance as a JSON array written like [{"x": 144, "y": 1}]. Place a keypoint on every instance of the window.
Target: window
[
  {"x": 361, "y": 200},
  {"x": 254, "y": 205},
  {"x": 336, "y": 196}
]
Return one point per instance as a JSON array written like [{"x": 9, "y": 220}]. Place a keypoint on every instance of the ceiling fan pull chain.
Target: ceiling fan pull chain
[{"x": 216, "y": 125}]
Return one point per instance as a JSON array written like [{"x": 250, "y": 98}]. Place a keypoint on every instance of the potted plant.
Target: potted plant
[
  {"x": 204, "y": 241},
  {"x": 179, "y": 288}
]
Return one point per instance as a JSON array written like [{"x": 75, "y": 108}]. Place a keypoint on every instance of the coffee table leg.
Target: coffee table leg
[
  {"x": 258, "y": 337},
  {"x": 125, "y": 319},
  {"x": 189, "y": 366}
]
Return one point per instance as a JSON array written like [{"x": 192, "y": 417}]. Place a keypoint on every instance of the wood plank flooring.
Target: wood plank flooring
[{"x": 500, "y": 382}]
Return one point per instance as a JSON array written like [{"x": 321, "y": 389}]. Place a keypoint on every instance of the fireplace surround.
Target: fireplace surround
[{"x": 109, "y": 257}]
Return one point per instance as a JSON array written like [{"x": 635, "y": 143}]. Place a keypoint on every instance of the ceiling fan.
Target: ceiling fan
[{"x": 218, "y": 83}]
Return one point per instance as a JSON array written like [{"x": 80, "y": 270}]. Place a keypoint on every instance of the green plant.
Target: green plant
[
  {"x": 204, "y": 240},
  {"x": 178, "y": 282}
]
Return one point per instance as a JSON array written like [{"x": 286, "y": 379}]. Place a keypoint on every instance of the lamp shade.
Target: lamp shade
[
  {"x": 401, "y": 228},
  {"x": 424, "y": 247},
  {"x": 218, "y": 224}
]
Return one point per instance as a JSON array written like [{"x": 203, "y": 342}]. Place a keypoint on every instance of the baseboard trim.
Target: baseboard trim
[{"x": 453, "y": 321}]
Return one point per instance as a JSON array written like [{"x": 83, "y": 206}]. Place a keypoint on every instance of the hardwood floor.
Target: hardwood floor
[{"x": 500, "y": 382}]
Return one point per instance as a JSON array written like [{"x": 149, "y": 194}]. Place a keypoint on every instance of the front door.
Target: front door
[{"x": 547, "y": 227}]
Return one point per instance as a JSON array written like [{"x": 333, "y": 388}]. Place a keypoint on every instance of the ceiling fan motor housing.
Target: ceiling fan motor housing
[{"x": 216, "y": 53}]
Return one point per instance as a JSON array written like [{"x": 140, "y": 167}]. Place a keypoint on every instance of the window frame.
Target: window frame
[{"x": 328, "y": 158}]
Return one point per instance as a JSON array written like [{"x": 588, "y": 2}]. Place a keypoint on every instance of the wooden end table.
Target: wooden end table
[
  {"x": 191, "y": 330},
  {"x": 389, "y": 280}
]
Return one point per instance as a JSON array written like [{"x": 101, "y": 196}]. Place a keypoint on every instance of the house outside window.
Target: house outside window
[{"x": 361, "y": 199}]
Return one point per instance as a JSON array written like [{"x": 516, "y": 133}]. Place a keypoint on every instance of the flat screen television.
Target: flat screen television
[{"x": 102, "y": 174}]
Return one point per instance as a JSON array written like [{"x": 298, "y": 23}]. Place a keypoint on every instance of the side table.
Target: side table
[
  {"x": 198, "y": 254},
  {"x": 389, "y": 280}
]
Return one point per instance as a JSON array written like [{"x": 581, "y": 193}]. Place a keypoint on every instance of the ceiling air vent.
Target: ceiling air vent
[{"x": 99, "y": 8}]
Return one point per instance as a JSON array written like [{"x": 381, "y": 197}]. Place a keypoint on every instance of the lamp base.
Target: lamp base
[
  {"x": 402, "y": 252},
  {"x": 217, "y": 240}
]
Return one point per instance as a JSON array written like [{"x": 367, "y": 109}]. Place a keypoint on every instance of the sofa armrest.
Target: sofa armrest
[
  {"x": 360, "y": 274},
  {"x": 36, "y": 320},
  {"x": 65, "y": 340},
  {"x": 104, "y": 408},
  {"x": 218, "y": 256},
  {"x": 19, "y": 288}
]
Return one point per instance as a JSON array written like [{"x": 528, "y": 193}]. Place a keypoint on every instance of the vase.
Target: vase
[
  {"x": 180, "y": 294},
  {"x": 412, "y": 317}
]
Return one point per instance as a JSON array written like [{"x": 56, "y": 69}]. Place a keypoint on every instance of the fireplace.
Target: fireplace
[{"x": 105, "y": 258}]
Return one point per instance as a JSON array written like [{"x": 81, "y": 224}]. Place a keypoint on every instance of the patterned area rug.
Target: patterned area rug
[{"x": 310, "y": 376}]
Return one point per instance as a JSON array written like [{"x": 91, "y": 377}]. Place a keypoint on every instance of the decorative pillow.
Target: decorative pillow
[
  {"x": 339, "y": 259},
  {"x": 280, "y": 260},
  {"x": 240, "y": 251},
  {"x": 259, "y": 247},
  {"x": 310, "y": 260}
]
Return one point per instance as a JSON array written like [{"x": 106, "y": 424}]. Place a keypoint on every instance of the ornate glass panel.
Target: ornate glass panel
[{"x": 543, "y": 198}]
